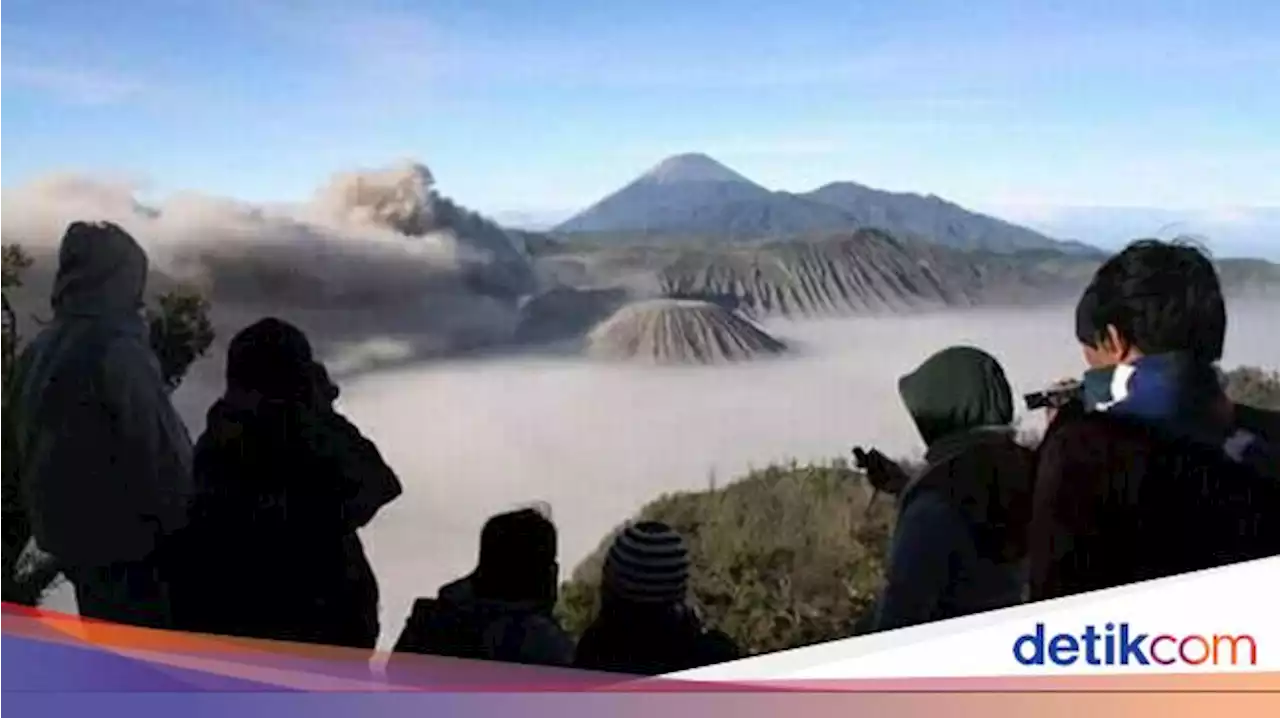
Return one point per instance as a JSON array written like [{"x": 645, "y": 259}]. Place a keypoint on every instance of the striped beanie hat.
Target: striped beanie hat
[{"x": 648, "y": 563}]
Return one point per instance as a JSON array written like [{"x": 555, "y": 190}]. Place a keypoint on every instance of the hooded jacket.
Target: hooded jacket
[
  {"x": 958, "y": 546},
  {"x": 460, "y": 624},
  {"x": 104, "y": 461}
]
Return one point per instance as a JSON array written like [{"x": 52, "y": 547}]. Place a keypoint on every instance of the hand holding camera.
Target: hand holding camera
[
  {"x": 884, "y": 473},
  {"x": 325, "y": 391},
  {"x": 1065, "y": 396},
  {"x": 1056, "y": 396}
]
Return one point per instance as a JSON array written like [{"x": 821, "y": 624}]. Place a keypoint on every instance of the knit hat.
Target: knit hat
[{"x": 648, "y": 563}]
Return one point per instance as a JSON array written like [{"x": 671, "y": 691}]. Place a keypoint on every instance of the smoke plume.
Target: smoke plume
[{"x": 367, "y": 236}]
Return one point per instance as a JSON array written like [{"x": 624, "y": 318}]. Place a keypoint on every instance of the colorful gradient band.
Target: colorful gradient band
[{"x": 56, "y": 664}]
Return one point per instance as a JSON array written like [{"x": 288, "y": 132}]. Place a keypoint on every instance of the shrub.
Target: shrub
[
  {"x": 785, "y": 557},
  {"x": 181, "y": 332},
  {"x": 1254, "y": 386}
]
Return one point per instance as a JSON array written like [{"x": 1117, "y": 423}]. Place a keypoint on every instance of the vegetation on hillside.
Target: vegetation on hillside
[
  {"x": 784, "y": 557},
  {"x": 1254, "y": 386},
  {"x": 790, "y": 556},
  {"x": 181, "y": 332}
]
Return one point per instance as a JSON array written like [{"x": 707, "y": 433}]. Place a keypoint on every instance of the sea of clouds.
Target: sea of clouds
[{"x": 596, "y": 442}]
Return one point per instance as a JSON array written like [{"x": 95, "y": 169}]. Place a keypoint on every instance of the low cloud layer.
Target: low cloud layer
[{"x": 597, "y": 441}]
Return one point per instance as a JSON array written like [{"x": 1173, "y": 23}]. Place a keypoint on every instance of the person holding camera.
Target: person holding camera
[
  {"x": 1145, "y": 474},
  {"x": 959, "y": 546},
  {"x": 283, "y": 483}
]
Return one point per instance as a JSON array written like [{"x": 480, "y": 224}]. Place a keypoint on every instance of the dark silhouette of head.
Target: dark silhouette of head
[
  {"x": 101, "y": 270},
  {"x": 1153, "y": 297},
  {"x": 272, "y": 358},
  {"x": 646, "y": 570},
  {"x": 518, "y": 559}
]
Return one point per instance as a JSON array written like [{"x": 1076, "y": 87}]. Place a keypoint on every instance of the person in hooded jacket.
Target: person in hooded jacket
[
  {"x": 645, "y": 625},
  {"x": 959, "y": 544},
  {"x": 103, "y": 461},
  {"x": 501, "y": 611},
  {"x": 283, "y": 484},
  {"x": 1155, "y": 473}
]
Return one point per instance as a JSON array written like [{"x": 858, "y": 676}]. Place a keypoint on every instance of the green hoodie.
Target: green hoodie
[
  {"x": 957, "y": 390},
  {"x": 957, "y": 546}
]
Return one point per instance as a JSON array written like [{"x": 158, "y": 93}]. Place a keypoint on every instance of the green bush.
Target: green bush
[
  {"x": 785, "y": 557},
  {"x": 181, "y": 332},
  {"x": 1254, "y": 386}
]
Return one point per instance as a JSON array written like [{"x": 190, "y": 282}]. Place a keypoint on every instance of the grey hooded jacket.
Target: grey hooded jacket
[{"x": 104, "y": 461}]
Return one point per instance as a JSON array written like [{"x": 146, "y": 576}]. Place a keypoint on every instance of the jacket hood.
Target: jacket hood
[
  {"x": 959, "y": 389},
  {"x": 101, "y": 271}
]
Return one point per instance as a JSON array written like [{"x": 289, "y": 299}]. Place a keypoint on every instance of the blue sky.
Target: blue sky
[{"x": 549, "y": 105}]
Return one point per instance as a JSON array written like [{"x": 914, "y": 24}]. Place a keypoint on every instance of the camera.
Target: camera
[
  {"x": 883, "y": 473},
  {"x": 1056, "y": 396}
]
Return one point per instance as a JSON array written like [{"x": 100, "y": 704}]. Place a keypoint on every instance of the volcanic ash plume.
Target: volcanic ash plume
[
  {"x": 369, "y": 236},
  {"x": 401, "y": 198},
  {"x": 404, "y": 200}
]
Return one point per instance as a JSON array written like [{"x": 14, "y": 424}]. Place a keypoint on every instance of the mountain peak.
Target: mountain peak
[{"x": 691, "y": 167}]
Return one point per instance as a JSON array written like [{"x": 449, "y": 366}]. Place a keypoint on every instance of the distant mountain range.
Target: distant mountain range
[
  {"x": 693, "y": 195},
  {"x": 1249, "y": 231},
  {"x": 530, "y": 221},
  {"x": 865, "y": 271}
]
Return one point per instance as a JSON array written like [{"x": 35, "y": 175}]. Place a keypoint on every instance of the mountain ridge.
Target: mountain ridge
[
  {"x": 692, "y": 167},
  {"x": 693, "y": 194}
]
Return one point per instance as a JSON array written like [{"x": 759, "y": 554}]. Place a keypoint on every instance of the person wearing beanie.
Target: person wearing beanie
[
  {"x": 97, "y": 464},
  {"x": 501, "y": 611},
  {"x": 647, "y": 564},
  {"x": 645, "y": 626},
  {"x": 283, "y": 482}
]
